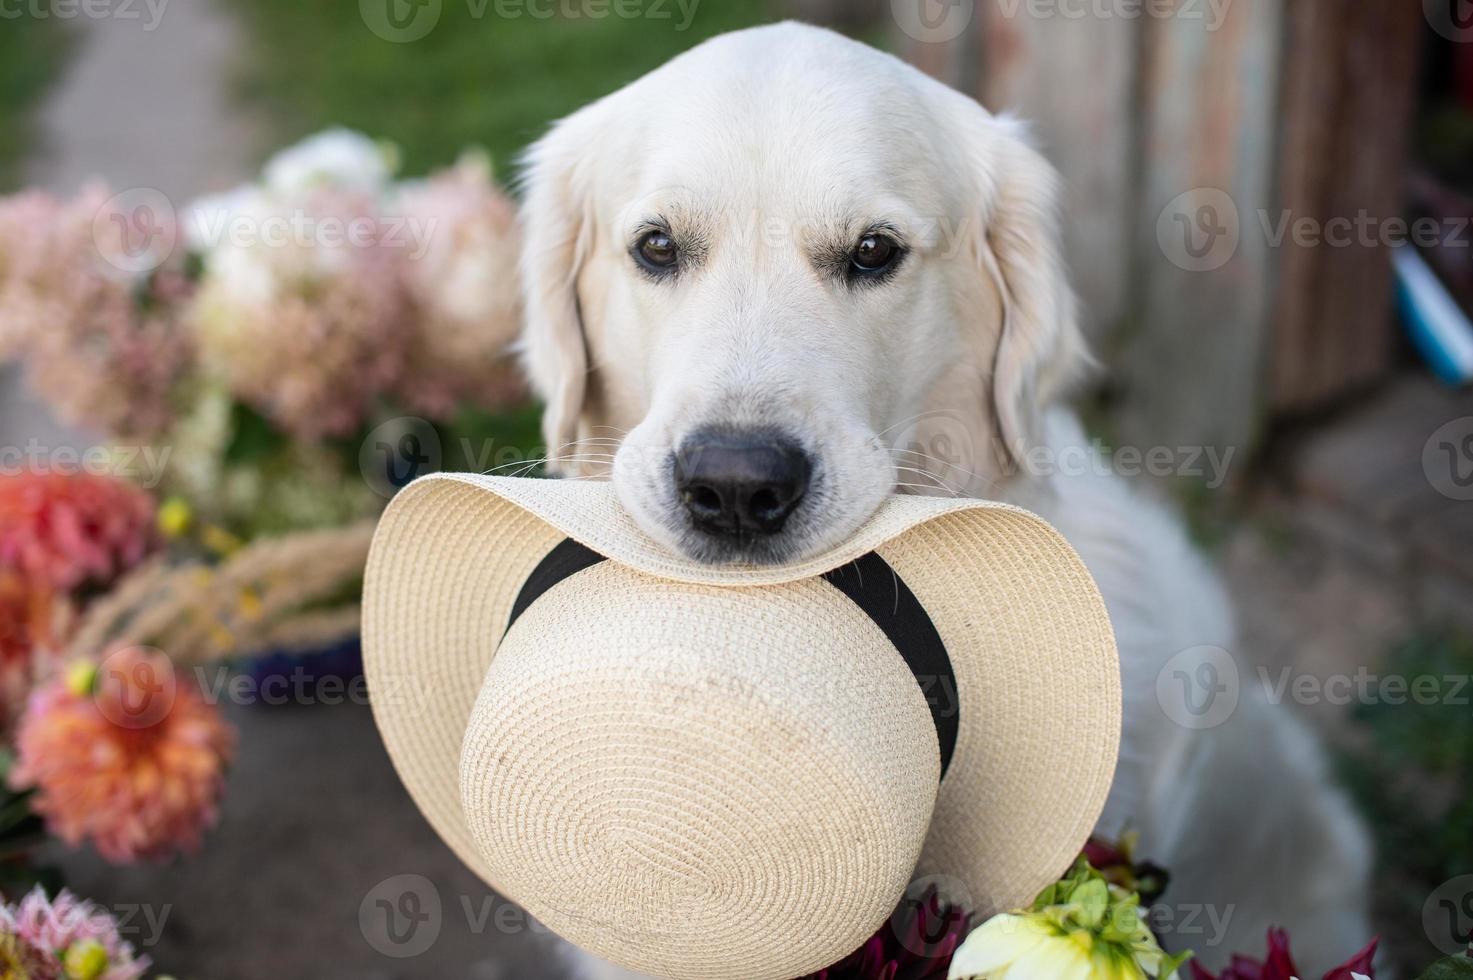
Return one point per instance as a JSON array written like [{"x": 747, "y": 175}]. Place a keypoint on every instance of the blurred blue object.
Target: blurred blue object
[
  {"x": 295, "y": 677},
  {"x": 1440, "y": 329}
]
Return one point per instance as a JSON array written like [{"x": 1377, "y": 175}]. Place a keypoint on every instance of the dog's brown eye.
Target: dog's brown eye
[
  {"x": 656, "y": 251},
  {"x": 875, "y": 254}
]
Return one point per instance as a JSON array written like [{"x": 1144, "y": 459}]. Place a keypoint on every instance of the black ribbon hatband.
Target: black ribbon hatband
[{"x": 869, "y": 582}]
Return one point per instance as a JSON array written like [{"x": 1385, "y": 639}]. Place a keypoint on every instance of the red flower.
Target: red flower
[
  {"x": 65, "y": 531},
  {"x": 916, "y": 943},
  {"x": 28, "y": 615},
  {"x": 1280, "y": 964}
]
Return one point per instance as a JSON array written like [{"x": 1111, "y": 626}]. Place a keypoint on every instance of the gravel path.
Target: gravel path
[{"x": 144, "y": 103}]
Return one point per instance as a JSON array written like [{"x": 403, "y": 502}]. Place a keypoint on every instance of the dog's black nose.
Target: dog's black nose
[{"x": 740, "y": 483}]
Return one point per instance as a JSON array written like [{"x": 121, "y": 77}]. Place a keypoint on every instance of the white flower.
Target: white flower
[
  {"x": 338, "y": 158},
  {"x": 1016, "y": 947},
  {"x": 1079, "y": 929},
  {"x": 208, "y": 220},
  {"x": 460, "y": 234}
]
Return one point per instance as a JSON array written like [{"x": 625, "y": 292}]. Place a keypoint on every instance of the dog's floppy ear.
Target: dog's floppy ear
[
  {"x": 557, "y": 230},
  {"x": 1040, "y": 350}
]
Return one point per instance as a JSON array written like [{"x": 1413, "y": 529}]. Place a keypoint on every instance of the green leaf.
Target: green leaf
[
  {"x": 1093, "y": 899},
  {"x": 1452, "y": 968},
  {"x": 252, "y": 437},
  {"x": 1049, "y": 896},
  {"x": 14, "y": 811},
  {"x": 1170, "y": 964}
]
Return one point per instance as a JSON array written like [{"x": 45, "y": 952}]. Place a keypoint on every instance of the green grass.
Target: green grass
[
  {"x": 31, "y": 54},
  {"x": 1411, "y": 781},
  {"x": 473, "y": 80}
]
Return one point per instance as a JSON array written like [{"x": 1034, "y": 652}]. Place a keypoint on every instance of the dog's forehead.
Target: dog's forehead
[{"x": 787, "y": 119}]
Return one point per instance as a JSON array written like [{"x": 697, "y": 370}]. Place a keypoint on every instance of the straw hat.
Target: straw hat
[{"x": 735, "y": 771}]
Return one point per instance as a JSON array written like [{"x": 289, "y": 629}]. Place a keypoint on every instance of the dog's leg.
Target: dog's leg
[{"x": 1245, "y": 818}]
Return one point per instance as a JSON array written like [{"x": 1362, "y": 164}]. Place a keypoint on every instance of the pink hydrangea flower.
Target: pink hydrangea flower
[
  {"x": 461, "y": 236},
  {"x": 301, "y": 310},
  {"x": 104, "y": 347}
]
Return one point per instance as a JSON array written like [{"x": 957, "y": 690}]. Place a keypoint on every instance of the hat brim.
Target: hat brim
[{"x": 1037, "y": 677}]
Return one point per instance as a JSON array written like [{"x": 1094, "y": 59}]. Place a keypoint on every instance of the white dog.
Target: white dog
[{"x": 785, "y": 275}]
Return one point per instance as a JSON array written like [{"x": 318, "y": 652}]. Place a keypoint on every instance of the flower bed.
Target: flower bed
[{"x": 242, "y": 357}]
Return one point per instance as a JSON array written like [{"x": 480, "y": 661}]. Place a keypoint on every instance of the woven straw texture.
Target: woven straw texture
[{"x": 728, "y": 771}]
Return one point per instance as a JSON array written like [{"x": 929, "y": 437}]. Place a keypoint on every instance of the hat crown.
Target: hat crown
[{"x": 660, "y": 771}]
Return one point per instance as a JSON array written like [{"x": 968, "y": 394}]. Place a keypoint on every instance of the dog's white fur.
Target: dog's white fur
[{"x": 766, "y": 150}]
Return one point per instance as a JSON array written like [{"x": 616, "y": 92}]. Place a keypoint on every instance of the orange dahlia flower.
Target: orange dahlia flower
[{"x": 127, "y": 755}]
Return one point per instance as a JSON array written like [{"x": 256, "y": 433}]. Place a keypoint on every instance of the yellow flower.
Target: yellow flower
[
  {"x": 1079, "y": 929},
  {"x": 250, "y": 605},
  {"x": 175, "y": 516},
  {"x": 80, "y": 677},
  {"x": 219, "y": 540},
  {"x": 85, "y": 960}
]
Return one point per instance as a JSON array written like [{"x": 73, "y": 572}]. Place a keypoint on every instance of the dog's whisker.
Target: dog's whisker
[
  {"x": 888, "y": 429},
  {"x": 937, "y": 482},
  {"x": 926, "y": 486},
  {"x": 988, "y": 483},
  {"x": 934, "y": 484}
]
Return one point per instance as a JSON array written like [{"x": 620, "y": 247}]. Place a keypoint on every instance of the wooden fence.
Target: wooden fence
[{"x": 1203, "y": 143}]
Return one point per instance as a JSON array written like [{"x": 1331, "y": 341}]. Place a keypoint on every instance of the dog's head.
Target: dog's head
[{"x": 781, "y": 277}]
